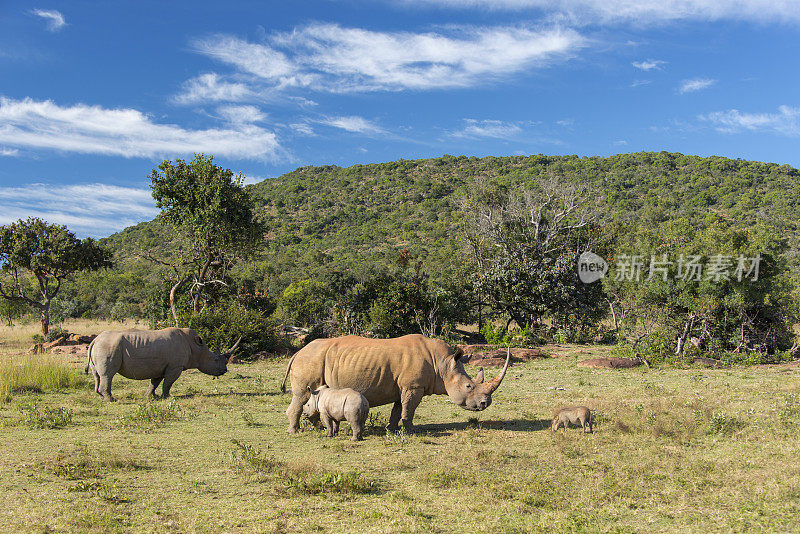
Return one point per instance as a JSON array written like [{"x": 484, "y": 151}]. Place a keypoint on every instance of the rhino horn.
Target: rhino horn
[
  {"x": 494, "y": 383},
  {"x": 233, "y": 348}
]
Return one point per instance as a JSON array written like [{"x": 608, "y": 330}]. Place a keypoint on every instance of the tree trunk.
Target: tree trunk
[
  {"x": 44, "y": 312},
  {"x": 687, "y": 329},
  {"x": 172, "y": 293}
]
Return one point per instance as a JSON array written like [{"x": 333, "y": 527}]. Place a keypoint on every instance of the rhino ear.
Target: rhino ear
[
  {"x": 309, "y": 389},
  {"x": 479, "y": 377}
]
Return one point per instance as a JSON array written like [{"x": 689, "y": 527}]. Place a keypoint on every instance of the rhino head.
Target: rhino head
[
  {"x": 205, "y": 359},
  {"x": 473, "y": 394}
]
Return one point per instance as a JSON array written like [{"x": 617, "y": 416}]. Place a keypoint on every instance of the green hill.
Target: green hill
[{"x": 357, "y": 219}]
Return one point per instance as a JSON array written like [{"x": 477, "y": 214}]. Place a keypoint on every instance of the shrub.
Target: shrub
[
  {"x": 495, "y": 335},
  {"x": 221, "y": 326},
  {"x": 304, "y": 303},
  {"x": 152, "y": 414},
  {"x": 46, "y": 417},
  {"x": 55, "y": 333}
]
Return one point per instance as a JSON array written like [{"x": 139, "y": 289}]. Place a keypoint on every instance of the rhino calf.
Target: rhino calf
[
  {"x": 573, "y": 415},
  {"x": 335, "y": 405}
]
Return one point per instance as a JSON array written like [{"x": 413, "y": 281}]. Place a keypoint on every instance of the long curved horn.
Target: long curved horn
[
  {"x": 494, "y": 383},
  {"x": 233, "y": 348}
]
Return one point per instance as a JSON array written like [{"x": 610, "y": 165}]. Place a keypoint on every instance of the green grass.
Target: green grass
[
  {"x": 674, "y": 450},
  {"x": 37, "y": 374}
]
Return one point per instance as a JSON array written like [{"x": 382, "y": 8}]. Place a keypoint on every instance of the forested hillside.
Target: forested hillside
[{"x": 359, "y": 218}]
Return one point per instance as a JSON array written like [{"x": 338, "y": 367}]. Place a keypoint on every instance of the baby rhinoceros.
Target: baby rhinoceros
[
  {"x": 573, "y": 415},
  {"x": 335, "y": 405}
]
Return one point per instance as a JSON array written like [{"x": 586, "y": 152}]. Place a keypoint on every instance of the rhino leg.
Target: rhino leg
[
  {"x": 410, "y": 399},
  {"x": 295, "y": 410},
  {"x": 357, "y": 425},
  {"x": 329, "y": 424},
  {"x": 96, "y": 378},
  {"x": 104, "y": 387},
  {"x": 170, "y": 376},
  {"x": 154, "y": 382},
  {"x": 394, "y": 417}
]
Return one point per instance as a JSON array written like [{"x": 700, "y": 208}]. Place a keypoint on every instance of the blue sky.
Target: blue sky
[{"x": 93, "y": 95}]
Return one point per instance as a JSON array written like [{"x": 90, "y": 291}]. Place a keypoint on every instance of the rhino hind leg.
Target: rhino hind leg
[
  {"x": 154, "y": 382},
  {"x": 104, "y": 387},
  {"x": 295, "y": 410}
]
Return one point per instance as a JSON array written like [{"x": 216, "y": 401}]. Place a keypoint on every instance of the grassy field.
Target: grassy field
[{"x": 673, "y": 450}]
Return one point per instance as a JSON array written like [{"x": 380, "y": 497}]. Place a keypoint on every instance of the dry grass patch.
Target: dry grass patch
[{"x": 37, "y": 374}]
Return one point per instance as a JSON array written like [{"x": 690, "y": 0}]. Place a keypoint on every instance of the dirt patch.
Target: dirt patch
[
  {"x": 610, "y": 363},
  {"x": 69, "y": 349},
  {"x": 488, "y": 356}
]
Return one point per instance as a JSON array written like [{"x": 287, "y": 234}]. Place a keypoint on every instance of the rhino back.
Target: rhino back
[
  {"x": 144, "y": 353},
  {"x": 379, "y": 368}
]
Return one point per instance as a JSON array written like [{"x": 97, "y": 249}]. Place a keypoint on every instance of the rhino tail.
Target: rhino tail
[
  {"x": 88, "y": 358},
  {"x": 286, "y": 376}
]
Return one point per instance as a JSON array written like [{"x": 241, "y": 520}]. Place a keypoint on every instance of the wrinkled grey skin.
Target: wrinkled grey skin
[
  {"x": 576, "y": 415},
  {"x": 333, "y": 406},
  {"x": 153, "y": 355}
]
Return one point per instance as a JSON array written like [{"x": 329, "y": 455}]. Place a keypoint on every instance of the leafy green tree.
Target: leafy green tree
[
  {"x": 304, "y": 303},
  {"x": 48, "y": 253},
  {"x": 213, "y": 216},
  {"x": 526, "y": 244}
]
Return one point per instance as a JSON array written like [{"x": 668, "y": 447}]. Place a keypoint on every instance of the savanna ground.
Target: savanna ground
[{"x": 673, "y": 450}]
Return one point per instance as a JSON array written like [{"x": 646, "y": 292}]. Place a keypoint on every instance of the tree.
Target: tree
[
  {"x": 50, "y": 254},
  {"x": 214, "y": 218},
  {"x": 526, "y": 242}
]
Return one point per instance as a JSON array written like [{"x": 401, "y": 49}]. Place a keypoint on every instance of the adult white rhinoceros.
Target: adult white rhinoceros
[
  {"x": 400, "y": 371},
  {"x": 151, "y": 354}
]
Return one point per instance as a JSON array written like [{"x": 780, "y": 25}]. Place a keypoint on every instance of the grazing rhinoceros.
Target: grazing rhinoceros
[
  {"x": 400, "y": 371},
  {"x": 151, "y": 354}
]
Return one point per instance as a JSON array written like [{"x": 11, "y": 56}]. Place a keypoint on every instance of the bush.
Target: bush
[
  {"x": 55, "y": 333},
  {"x": 304, "y": 303},
  {"x": 221, "y": 326},
  {"x": 45, "y": 417},
  {"x": 495, "y": 335}
]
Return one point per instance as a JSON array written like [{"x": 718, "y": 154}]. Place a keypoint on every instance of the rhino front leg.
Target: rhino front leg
[
  {"x": 394, "y": 417},
  {"x": 170, "y": 376},
  {"x": 410, "y": 399},
  {"x": 154, "y": 382},
  {"x": 295, "y": 410}
]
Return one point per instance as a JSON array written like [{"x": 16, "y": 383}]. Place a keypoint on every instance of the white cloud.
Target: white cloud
[
  {"x": 123, "y": 132},
  {"x": 620, "y": 142},
  {"x": 241, "y": 114},
  {"x": 302, "y": 128},
  {"x": 352, "y": 124},
  {"x": 635, "y": 11},
  {"x": 210, "y": 87},
  {"x": 786, "y": 121},
  {"x": 488, "y": 128},
  {"x": 639, "y": 83},
  {"x": 55, "y": 20},
  {"x": 648, "y": 64},
  {"x": 8, "y": 151},
  {"x": 95, "y": 210},
  {"x": 695, "y": 84},
  {"x": 330, "y": 58}
]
